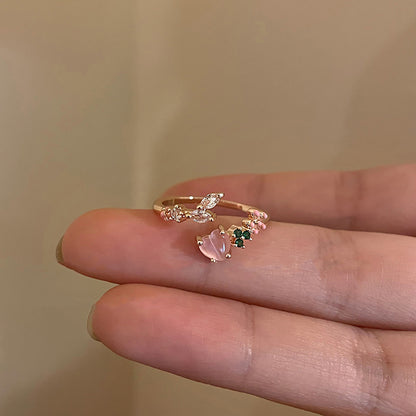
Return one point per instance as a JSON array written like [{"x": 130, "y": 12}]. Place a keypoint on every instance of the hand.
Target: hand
[{"x": 319, "y": 316}]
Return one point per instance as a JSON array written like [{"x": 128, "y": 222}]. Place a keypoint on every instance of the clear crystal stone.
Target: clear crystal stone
[
  {"x": 210, "y": 200},
  {"x": 200, "y": 216},
  {"x": 177, "y": 214}
]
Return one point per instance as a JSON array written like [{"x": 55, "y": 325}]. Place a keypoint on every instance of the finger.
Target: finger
[
  {"x": 325, "y": 367},
  {"x": 380, "y": 199},
  {"x": 367, "y": 279}
]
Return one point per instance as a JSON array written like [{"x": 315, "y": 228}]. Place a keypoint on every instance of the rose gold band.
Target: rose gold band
[{"x": 217, "y": 245}]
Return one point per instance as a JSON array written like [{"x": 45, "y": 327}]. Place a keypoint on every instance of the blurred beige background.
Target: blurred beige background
[{"x": 106, "y": 103}]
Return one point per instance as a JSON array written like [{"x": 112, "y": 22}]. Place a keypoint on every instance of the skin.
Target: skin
[{"x": 318, "y": 312}]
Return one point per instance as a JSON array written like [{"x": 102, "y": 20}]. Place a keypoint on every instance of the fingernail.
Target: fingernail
[
  {"x": 89, "y": 324},
  {"x": 59, "y": 256}
]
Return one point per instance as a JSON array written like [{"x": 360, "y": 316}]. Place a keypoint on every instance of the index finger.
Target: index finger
[{"x": 361, "y": 278}]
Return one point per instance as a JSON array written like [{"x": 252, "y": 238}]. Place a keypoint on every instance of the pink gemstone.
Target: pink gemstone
[{"x": 215, "y": 245}]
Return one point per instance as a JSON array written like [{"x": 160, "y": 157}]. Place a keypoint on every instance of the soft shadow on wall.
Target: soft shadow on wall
[
  {"x": 67, "y": 76},
  {"x": 250, "y": 90},
  {"x": 381, "y": 116},
  {"x": 85, "y": 386}
]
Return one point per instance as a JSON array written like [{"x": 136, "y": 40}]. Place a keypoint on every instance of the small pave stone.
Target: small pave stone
[
  {"x": 238, "y": 233},
  {"x": 239, "y": 242},
  {"x": 246, "y": 234},
  {"x": 177, "y": 214}
]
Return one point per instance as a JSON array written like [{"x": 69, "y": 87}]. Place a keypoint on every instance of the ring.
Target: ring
[{"x": 216, "y": 245}]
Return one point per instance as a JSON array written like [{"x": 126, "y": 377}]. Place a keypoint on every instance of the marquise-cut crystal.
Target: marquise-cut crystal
[
  {"x": 215, "y": 245},
  {"x": 201, "y": 216},
  {"x": 210, "y": 201}
]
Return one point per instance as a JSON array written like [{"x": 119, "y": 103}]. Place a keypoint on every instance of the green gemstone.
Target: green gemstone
[
  {"x": 246, "y": 234},
  {"x": 239, "y": 242},
  {"x": 238, "y": 233}
]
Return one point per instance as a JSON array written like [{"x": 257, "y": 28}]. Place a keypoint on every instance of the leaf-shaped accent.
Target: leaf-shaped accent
[
  {"x": 211, "y": 200},
  {"x": 201, "y": 216}
]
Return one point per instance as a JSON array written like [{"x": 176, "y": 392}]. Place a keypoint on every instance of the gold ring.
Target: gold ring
[{"x": 216, "y": 245}]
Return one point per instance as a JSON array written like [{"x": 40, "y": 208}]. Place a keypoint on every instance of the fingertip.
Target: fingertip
[
  {"x": 58, "y": 251},
  {"x": 90, "y": 326}
]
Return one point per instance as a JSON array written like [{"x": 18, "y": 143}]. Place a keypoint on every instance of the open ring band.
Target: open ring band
[{"x": 216, "y": 245}]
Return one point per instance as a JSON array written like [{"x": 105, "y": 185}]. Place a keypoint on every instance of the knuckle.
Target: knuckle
[
  {"x": 374, "y": 372},
  {"x": 339, "y": 269},
  {"x": 249, "y": 345}
]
